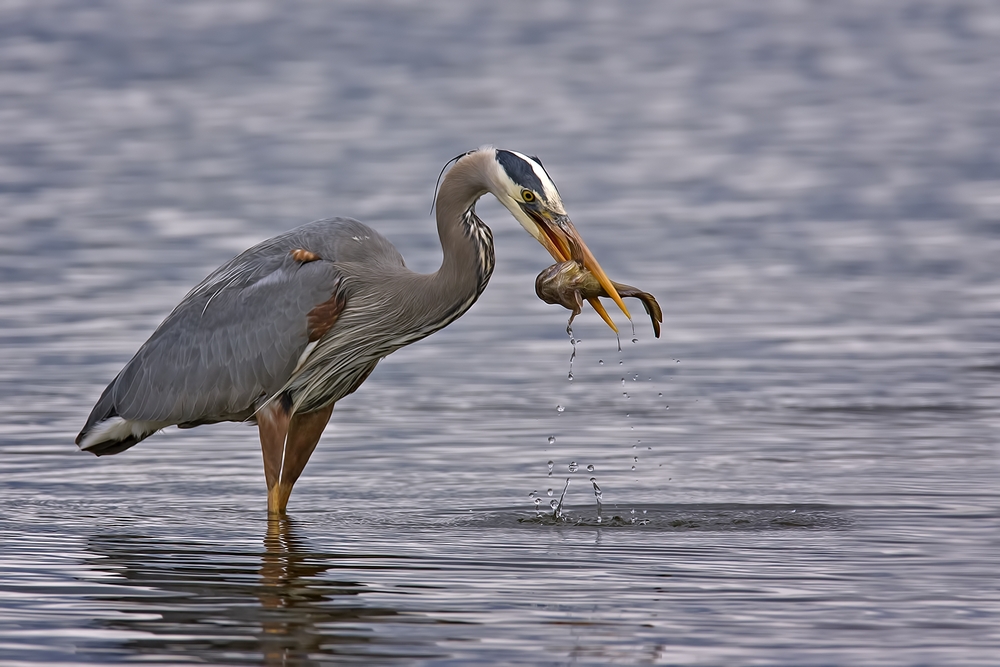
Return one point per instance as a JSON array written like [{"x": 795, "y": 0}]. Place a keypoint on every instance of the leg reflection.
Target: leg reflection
[{"x": 194, "y": 600}]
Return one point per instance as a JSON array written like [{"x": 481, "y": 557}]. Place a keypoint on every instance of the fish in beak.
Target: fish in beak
[
  {"x": 569, "y": 283},
  {"x": 558, "y": 235}
]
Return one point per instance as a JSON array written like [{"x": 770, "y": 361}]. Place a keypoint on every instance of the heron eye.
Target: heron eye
[{"x": 528, "y": 196}]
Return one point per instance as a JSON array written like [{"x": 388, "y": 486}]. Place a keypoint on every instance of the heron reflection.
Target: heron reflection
[{"x": 283, "y": 605}]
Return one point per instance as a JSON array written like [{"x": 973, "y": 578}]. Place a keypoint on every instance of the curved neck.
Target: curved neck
[{"x": 466, "y": 242}]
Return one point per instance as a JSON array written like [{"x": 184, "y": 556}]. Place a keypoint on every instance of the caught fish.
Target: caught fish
[{"x": 568, "y": 284}]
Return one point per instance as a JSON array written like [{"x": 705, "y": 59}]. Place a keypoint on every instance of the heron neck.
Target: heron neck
[{"x": 466, "y": 242}]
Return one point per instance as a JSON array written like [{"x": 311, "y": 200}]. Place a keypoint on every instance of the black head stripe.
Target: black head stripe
[{"x": 520, "y": 171}]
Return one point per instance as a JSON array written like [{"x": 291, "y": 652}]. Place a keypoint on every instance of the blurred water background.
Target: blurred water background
[{"x": 811, "y": 189}]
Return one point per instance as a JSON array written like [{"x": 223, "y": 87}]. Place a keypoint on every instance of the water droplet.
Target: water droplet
[
  {"x": 553, "y": 503},
  {"x": 570, "y": 376},
  {"x": 633, "y": 467},
  {"x": 552, "y": 441},
  {"x": 635, "y": 459},
  {"x": 649, "y": 448},
  {"x": 668, "y": 407},
  {"x": 660, "y": 394},
  {"x": 560, "y": 408},
  {"x": 538, "y": 501},
  {"x": 623, "y": 382},
  {"x": 635, "y": 340},
  {"x": 573, "y": 467},
  {"x": 600, "y": 362},
  {"x": 628, "y": 414},
  {"x": 572, "y": 341},
  {"x": 549, "y": 492},
  {"x": 621, "y": 362},
  {"x": 644, "y": 511},
  {"x": 635, "y": 377},
  {"x": 532, "y": 494},
  {"x": 625, "y": 394},
  {"x": 591, "y": 468},
  {"x": 633, "y": 446},
  {"x": 550, "y": 464}
]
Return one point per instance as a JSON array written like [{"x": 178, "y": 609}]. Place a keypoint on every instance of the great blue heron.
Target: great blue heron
[{"x": 282, "y": 332}]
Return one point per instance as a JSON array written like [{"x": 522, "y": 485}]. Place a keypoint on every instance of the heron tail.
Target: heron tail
[{"x": 106, "y": 432}]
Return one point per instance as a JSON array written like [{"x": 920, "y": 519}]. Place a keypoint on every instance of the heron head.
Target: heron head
[{"x": 523, "y": 186}]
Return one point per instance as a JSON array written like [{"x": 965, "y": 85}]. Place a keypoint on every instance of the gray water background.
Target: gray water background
[{"x": 811, "y": 189}]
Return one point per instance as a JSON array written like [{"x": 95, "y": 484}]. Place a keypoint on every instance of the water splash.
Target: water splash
[
  {"x": 557, "y": 505},
  {"x": 598, "y": 495}
]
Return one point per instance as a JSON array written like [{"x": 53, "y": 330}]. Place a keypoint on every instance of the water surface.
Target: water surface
[{"x": 810, "y": 189}]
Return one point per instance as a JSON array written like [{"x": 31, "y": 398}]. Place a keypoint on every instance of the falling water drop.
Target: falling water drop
[
  {"x": 660, "y": 394},
  {"x": 572, "y": 356},
  {"x": 573, "y": 467},
  {"x": 553, "y": 503},
  {"x": 600, "y": 362},
  {"x": 635, "y": 340},
  {"x": 633, "y": 467},
  {"x": 549, "y": 492},
  {"x": 623, "y": 382},
  {"x": 551, "y": 464},
  {"x": 591, "y": 468},
  {"x": 560, "y": 408},
  {"x": 538, "y": 501},
  {"x": 552, "y": 439},
  {"x": 635, "y": 459}
]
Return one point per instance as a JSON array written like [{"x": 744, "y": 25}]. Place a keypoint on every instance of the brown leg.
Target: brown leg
[
  {"x": 304, "y": 432},
  {"x": 272, "y": 423}
]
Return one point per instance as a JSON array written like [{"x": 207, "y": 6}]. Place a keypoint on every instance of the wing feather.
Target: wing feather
[{"x": 239, "y": 335}]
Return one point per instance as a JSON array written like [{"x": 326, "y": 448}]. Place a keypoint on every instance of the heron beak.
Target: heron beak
[{"x": 558, "y": 235}]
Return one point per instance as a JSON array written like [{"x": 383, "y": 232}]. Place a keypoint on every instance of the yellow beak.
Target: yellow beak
[{"x": 560, "y": 238}]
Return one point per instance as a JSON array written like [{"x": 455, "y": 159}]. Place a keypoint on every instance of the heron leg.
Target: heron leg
[
  {"x": 304, "y": 431},
  {"x": 272, "y": 425}
]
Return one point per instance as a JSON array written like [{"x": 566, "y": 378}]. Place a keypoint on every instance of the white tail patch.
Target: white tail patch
[{"x": 117, "y": 429}]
